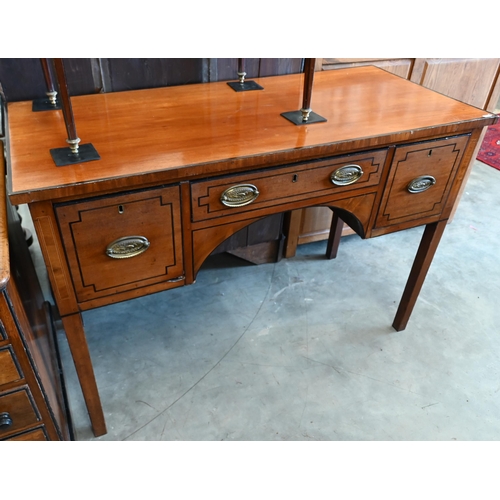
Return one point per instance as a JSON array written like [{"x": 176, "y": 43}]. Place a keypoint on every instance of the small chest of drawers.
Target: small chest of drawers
[{"x": 32, "y": 401}]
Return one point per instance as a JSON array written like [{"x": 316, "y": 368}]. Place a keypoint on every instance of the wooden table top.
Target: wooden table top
[{"x": 185, "y": 132}]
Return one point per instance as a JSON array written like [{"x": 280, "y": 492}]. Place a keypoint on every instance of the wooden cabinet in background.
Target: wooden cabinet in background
[
  {"x": 400, "y": 67},
  {"x": 470, "y": 80}
]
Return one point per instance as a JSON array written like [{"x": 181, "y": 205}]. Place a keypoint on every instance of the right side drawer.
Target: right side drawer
[{"x": 420, "y": 180}]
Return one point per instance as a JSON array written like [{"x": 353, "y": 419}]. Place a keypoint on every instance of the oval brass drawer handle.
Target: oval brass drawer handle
[
  {"x": 421, "y": 184},
  {"x": 348, "y": 174},
  {"x": 126, "y": 247},
  {"x": 240, "y": 195}
]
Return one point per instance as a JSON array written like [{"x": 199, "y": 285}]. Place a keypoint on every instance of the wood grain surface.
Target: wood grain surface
[{"x": 146, "y": 136}]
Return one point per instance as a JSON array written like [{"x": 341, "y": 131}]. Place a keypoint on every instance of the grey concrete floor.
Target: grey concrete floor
[{"x": 304, "y": 350}]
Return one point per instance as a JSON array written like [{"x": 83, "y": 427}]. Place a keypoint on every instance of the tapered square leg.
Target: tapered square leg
[
  {"x": 423, "y": 260},
  {"x": 75, "y": 334},
  {"x": 334, "y": 237}
]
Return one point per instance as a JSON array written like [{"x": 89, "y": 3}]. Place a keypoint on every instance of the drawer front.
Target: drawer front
[
  {"x": 17, "y": 411},
  {"x": 250, "y": 192},
  {"x": 122, "y": 242},
  {"x": 9, "y": 369},
  {"x": 420, "y": 180},
  {"x": 34, "y": 435}
]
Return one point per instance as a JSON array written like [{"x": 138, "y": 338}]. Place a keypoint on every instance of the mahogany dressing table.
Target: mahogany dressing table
[{"x": 183, "y": 168}]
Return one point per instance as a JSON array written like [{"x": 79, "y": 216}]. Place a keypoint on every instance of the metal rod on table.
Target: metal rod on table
[
  {"x": 308, "y": 85},
  {"x": 305, "y": 115},
  {"x": 243, "y": 85},
  {"x": 69, "y": 119},
  {"x": 51, "y": 90},
  {"x": 241, "y": 70}
]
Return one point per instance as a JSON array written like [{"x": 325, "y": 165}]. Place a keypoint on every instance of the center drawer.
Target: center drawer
[
  {"x": 121, "y": 242},
  {"x": 249, "y": 192}
]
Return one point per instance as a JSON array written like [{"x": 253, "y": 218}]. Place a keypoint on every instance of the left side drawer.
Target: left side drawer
[
  {"x": 121, "y": 242},
  {"x": 17, "y": 411},
  {"x": 9, "y": 368},
  {"x": 32, "y": 435}
]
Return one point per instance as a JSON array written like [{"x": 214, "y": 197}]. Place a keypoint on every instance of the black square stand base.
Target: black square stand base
[
  {"x": 44, "y": 104},
  {"x": 64, "y": 156},
  {"x": 243, "y": 87},
  {"x": 296, "y": 117}
]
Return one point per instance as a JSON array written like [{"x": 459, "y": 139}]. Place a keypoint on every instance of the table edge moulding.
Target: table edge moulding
[{"x": 183, "y": 168}]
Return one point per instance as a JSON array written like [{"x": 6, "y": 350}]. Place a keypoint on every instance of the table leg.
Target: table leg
[
  {"x": 75, "y": 333},
  {"x": 291, "y": 228},
  {"x": 334, "y": 237},
  {"x": 423, "y": 259}
]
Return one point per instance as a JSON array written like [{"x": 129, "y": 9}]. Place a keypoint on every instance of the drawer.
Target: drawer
[
  {"x": 420, "y": 179},
  {"x": 9, "y": 368},
  {"x": 250, "y": 192},
  {"x": 17, "y": 411},
  {"x": 34, "y": 435},
  {"x": 121, "y": 242}
]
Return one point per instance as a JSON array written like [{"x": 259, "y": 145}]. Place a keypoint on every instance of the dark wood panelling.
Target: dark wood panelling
[
  {"x": 265, "y": 230},
  {"x": 22, "y": 79},
  {"x": 80, "y": 76},
  {"x": 226, "y": 69},
  {"x": 132, "y": 74},
  {"x": 272, "y": 67}
]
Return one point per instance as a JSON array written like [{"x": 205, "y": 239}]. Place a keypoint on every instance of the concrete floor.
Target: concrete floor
[{"x": 304, "y": 349}]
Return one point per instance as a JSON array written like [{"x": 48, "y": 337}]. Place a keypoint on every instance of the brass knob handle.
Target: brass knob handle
[
  {"x": 240, "y": 195},
  {"x": 421, "y": 184},
  {"x": 126, "y": 247},
  {"x": 5, "y": 421},
  {"x": 348, "y": 174}
]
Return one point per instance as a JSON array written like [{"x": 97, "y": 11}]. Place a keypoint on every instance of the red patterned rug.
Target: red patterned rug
[{"x": 489, "y": 152}]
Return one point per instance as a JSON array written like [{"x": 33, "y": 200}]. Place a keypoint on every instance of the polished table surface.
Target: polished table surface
[
  {"x": 172, "y": 157},
  {"x": 173, "y": 133}
]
